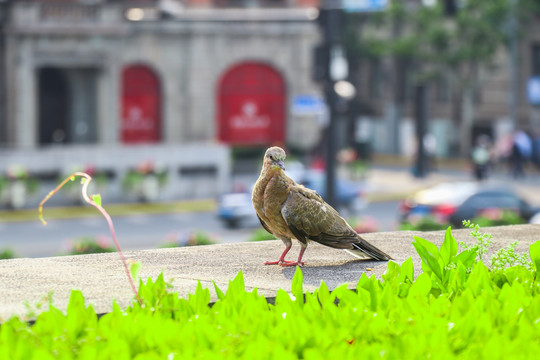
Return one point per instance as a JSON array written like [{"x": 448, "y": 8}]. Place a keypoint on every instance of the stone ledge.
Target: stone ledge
[{"x": 101, "y": 277}]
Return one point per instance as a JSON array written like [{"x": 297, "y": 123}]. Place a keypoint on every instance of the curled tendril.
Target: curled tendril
[{"x": 95, "y": 201}]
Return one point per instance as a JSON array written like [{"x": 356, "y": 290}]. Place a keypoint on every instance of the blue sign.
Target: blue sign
[
  {"x": 533, "y": 90},
  {"x": 364, "y": 5},
  {"x": 307, "y": 104}
]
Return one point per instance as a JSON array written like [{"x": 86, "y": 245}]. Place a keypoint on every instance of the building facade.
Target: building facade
[{"x": 93, "y": 81}]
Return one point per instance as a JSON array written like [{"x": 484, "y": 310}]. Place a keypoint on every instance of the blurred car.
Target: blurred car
[
  {"x": 235, "y": 209},
  {"x": 458, "y": 201}
]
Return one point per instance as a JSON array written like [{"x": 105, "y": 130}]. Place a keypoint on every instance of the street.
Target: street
[{"x": 32, "y": 239}]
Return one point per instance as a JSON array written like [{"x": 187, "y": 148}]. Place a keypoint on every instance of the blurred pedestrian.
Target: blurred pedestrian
[
  {"x": 521, "y": 153},
  {"x": 481, "y": 157},
  {"x": 535, "y": 156}
]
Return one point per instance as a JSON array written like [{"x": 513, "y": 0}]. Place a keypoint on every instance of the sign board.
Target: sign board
[
  {"x": 307, "y": 105},
  {"x": 364, "y": 5},
  {"x": 533, "y": 90}
]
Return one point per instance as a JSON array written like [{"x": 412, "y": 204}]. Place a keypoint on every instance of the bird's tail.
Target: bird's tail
[{"x": 364, "y": 250}]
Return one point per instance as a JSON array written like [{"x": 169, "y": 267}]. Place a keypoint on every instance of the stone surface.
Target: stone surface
[{"x": 102, "y": 279}]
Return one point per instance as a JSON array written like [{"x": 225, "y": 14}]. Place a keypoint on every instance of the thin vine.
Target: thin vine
[{"x": 95, "y": 201}]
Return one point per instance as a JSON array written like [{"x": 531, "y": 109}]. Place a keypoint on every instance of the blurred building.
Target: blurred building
[
  {"x": 378, "y": 79},
  {"x": 114, "y": 82}
]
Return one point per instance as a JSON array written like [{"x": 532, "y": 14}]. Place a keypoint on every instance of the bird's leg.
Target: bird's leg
[
  {"x": 281, "y": 259},
  {"x": 298, "y": 262}
]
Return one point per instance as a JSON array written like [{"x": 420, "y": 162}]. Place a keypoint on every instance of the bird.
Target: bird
[{"x": 289, "y": 211}]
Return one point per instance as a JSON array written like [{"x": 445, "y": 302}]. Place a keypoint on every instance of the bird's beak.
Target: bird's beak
[{"x": 280, "y": 164}]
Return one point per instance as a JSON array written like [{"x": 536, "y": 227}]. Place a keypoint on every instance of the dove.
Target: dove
[{"x": 289, "y": 211}]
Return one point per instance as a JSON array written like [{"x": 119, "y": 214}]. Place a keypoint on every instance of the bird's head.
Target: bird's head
[{"x": 275, "y": 156}]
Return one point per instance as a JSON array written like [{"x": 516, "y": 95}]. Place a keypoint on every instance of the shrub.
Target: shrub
[
  {"x": 7, "y": 254},
  {"x": 426, "y": 223},
  {"x": 90, "y": 245},
  {"x": 190, "y": 239},
  {"x": 498, "y": 217}
]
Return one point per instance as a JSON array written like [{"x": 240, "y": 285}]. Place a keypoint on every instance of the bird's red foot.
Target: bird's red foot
[
  {"x": 292, "y": 263},
  {"x": 283, "y": 263}
]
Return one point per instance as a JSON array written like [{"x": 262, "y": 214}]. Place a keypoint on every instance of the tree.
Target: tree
[{"x": 460, "y": 47}]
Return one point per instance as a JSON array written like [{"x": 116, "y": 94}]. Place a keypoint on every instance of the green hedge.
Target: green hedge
[{"x": 456, "y": 309}]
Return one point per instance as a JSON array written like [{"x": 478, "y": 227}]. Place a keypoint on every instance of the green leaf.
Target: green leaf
[
  {"x": 467, "y": 258},
  {"x": 392, "y": 271},
  {"x": 76, "y": 303},
  {"x": 422, "y": 285},
  {"x": 219, "y": 293},
  {"x": 297, "y": 285},
  {"x": 428, "y": 258},
  {"x": 406, "y": 271},
  {"x": 534, "y": 253},
  {"x": 449, "y": 247},
  {"x": 134, "y": 269},
  {"x": 97, "y": 199},
  {"x": 429, "y": 246}
]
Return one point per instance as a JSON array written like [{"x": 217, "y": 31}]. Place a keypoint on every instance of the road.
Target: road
[{"x": 32, "y": 239}]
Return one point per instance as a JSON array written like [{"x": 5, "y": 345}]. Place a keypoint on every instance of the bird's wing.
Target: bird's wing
[
  {"x": 266, "y": 227},
  {"x": 310, "y": 218}
]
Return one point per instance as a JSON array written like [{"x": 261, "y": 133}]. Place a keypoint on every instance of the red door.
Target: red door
[
  {"x": 251, "y": 106},
  {"x": 141, "y": 105}
]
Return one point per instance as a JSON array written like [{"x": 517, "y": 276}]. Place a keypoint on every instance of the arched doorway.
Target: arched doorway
[
  {"x": 67, "y": 105},
  {"x": 251, "y": 105},
  {"x": 141, "y": 105},
  {"x": 53, "y": 100}
]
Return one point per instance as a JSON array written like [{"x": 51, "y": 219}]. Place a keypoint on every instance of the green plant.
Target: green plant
[
  {"x": 98, "y": 177},
  {"x": 7, "y": 254},
  {"x": 498, "y": 217},
  {"x": 90, "y": 245},
  {"x": 21, "y": 174},
  {"x": 195, "y": 238},
  {"x": 94, "y": 201},
  {"x": 134, "y": 177},
  {"x": 480, "y": 314},
  {"x": 507, "y": 257},
  {"x": 261, "y": 235},
  {"x": 425, "y": 223},
  {"x": 480, "y": 248}
]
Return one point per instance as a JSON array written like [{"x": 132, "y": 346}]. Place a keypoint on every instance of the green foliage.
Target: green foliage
[
  {"x": 89, "y": 245},
  {"x": 7, "y": 254},
  {"x": 498, "y": 217},
  {"x": 480, "y": 248},
  {"x": 261, "y": 235},
  {"x": 491, "y": 217},
  {"x": 134, "y": 177},
  {"x": 479, "y": 314},
  {"x": 190, "y": 239},
  {"x": 426, "y": 223},
  {"x": 456, "y": 308},
  {"x": 508, "y": 257}
]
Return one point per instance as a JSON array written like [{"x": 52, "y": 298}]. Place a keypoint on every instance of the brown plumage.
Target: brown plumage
[{"x": 291, "y": 211}]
